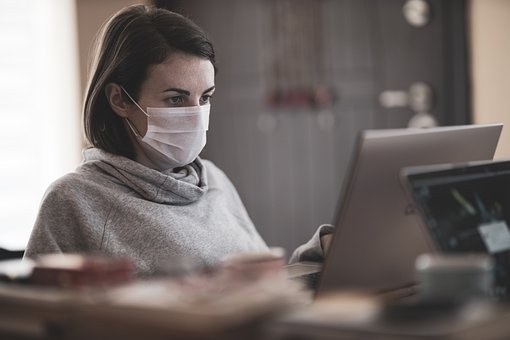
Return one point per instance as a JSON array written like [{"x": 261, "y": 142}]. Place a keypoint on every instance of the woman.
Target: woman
[{"x": 142, "y": 191}]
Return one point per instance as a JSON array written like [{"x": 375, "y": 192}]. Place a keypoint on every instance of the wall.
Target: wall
[
  {"x": 490, "y": 65},
  {"x": 288, "y": 162}
]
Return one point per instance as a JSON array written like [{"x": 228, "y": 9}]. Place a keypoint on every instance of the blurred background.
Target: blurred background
[{"x": 297, "y": 81}]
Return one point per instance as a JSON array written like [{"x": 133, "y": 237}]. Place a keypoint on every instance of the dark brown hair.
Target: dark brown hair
[{"x": 128, "y": 43}]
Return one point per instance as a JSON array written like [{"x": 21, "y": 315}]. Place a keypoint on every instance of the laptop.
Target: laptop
[
  {"x": 465, "y": 208},
  {"x": 377, "y": 238}
]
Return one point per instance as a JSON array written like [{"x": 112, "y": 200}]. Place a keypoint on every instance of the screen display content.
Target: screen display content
[{"x": 468, "y": 210}]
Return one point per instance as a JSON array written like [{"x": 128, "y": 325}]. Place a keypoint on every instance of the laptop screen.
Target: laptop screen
[{"x": 467, "y": 209}]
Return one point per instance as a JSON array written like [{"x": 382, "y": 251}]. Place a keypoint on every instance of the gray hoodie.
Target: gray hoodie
[{"x": 116, "y": 206}]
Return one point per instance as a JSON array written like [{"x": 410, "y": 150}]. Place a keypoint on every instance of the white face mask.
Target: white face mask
[{"x": 175, "y": 135}]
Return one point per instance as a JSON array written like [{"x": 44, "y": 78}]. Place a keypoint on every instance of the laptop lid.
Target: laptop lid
[
  {"x": 376, "y": 238},
  {"x": 465, "y": 208}
]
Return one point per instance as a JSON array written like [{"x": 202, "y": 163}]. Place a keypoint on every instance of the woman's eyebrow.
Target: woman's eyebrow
[
  {"x": 209, "y": 89},
  {"x": 186, "y": 92},
  {"x": 181, "y": 91}
]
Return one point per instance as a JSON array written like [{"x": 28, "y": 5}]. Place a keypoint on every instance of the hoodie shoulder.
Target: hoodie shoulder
[{"x": 75, "y": 189}]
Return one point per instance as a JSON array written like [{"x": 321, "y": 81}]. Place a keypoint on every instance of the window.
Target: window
[{"x": 39, "y": 108}]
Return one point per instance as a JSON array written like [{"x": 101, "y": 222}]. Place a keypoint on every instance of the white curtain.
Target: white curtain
[{"x": 39, "y": 108}]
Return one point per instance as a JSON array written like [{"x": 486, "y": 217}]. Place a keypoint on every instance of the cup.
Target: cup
[
  {"x": 255, "y": 264},
  {"x": 454, "y": 278}
]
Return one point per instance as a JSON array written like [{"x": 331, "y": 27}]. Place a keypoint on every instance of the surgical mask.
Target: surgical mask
[{"x": 175, "y": 135}]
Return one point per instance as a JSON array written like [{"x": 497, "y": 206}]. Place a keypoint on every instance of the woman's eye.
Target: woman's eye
[
  {"x": 205, "y": 99},
  {"x": 176, "y": 100}
]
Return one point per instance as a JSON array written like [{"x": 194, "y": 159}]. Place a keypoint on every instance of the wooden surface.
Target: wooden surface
[{"x": 35, "y": 313}]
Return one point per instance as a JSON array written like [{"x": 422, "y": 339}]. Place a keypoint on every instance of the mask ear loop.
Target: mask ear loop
[{"x": 127, "y": 120}]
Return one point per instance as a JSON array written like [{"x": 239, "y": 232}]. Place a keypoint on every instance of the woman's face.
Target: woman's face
[{"x": 181, "y": 80}]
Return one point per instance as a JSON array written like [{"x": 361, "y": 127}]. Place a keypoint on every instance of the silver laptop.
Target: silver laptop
[
  {"x": 377, "y": 237},
  {"x": 465, "y": 208}
]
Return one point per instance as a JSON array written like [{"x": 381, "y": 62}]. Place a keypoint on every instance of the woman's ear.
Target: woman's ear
[{"x": 116, "y": 100}]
